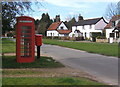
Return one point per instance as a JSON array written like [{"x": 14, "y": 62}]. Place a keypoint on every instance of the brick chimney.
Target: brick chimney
[{"x": 57, "y": 19}]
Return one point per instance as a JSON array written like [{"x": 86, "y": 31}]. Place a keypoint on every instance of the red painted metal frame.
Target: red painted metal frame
[{"x": 31, "y": 58}]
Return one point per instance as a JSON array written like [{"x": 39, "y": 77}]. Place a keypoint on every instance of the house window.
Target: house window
[
  {"x": 51, "y": 34},
  {"x": 111, "y": 34},
  {"x": 83, "y": 27},
  {"x": 90, "y": 26},
  {"x": 61, "y": 27},
  {"x": 85, "y": 35},
  {"x": 117, "y": 34}
]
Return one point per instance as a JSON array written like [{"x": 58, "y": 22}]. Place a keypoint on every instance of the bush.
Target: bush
[
  {"x": 101, "y": 37},
  {"x": 10, "y": 35},
  {"x": 96, "y": 34}
]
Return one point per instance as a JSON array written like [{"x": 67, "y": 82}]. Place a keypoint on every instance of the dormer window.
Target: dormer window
[{"x": 61, "y": 27}]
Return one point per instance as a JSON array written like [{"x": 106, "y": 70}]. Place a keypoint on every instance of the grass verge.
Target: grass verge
[
  {"x": 43, "y": 62},
  {"x": 8, "y": 46},
  {"x": 48, "y": 81},
  {"x": 99, "y": 48}
]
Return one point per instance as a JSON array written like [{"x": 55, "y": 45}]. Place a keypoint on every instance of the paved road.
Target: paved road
[{"x": 103, "y": 67}]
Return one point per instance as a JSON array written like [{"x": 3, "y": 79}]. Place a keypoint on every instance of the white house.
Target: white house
[
  {"x": 58, "y": 29},
  {"x": 87, "y": 27},
  {"x": 113, "y": 27}
]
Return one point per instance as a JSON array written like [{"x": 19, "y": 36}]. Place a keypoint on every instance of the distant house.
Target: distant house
[
  {"x": 113, "y": 27},
  {"x": 58, "y": 29},
  {"x": 85, "y": 28}
]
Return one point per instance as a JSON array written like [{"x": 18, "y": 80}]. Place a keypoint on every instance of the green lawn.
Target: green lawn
[
  {"x": 99, "y": 48},
  {"x": 43, "y": 62},
  {"x": 8, "y": 46},
  {"x": 48, "y": 81}
]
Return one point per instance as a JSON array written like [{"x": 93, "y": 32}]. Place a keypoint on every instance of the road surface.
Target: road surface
[{"x": 104, "y": 68}]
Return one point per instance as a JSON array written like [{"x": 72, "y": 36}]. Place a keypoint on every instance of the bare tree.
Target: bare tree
[
  {"x": 118, "y": 7},
  {"x": 70, "y": 17},
  {"x": 112, "y": 10}
]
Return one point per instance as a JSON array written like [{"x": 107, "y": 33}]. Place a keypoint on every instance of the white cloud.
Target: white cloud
[
  {"x": 43, "y": 9},
  {"x": 36, "y": 17},
  {"x": 65, "y": 3},
  {"x": 75, "y": 3}
]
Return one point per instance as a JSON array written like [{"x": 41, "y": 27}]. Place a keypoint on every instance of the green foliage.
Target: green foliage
[
  {"x": 9, "y": 12},
  {"x": 95, "y": 34},
  {"x": 101, "y": 37},
  {"x": 10, "y": 35},
  {"x": 43, "y": 62},
  {"x": 43, "y": 24},
  {"x": 70, "y": 23},
  {"x": 48, "y": 81},
  {"x": 100, "y": 48},
  {"x": 42, "y": 28}
]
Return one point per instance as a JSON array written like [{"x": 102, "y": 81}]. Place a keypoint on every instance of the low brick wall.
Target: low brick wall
[
  {"x": 102, "y": 40},
  {"x": 65, "y": 38}
]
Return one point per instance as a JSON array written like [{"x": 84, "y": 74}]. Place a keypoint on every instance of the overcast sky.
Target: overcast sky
[{"x": 68, "y": 8}]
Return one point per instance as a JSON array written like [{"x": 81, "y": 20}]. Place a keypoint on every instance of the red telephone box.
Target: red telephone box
[{"x": 25, "y": 39}]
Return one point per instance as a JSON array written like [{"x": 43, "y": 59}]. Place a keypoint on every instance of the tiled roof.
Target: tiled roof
[
  {"x": 54, "y": 25},
  {"x": 114, "y": 18},
  {"x": 64, "y": 31},
  {"x": 88, "y": 22},
  {"x": 109, "y": 25}
]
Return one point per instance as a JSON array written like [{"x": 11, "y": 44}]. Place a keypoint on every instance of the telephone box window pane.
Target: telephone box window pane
[
  {"x": 26, "y": 41},
  {"x": 27, "y": 31},
  {"x": 26, "y": 27},
  {"x": 25, "y": 49},
  {"x": 25, "y": 35}
]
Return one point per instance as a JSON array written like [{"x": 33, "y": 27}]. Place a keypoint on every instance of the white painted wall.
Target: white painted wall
[
  {"x": 108, "y": 31},
  {"x": 62, "y": 25},
  {"x": 72, "y": 33},
  {"x": 98, "y": 27},
  {"x": 52, "y": 33},
  {"x": 55, "y": 32},
  {"x": 87, "y": 29},
  {"x": 116, "y": 22}
]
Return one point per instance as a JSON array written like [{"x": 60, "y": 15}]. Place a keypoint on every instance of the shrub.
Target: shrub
[{"x": 101, "y": 37}]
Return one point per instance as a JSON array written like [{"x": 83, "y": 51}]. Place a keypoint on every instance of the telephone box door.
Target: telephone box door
[{"x": 25, "y": 40}]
